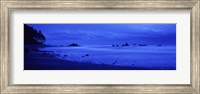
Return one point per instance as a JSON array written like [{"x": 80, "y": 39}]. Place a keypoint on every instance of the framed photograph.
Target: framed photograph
[
  {"x": 100, "y": 46},
  {"x": 133, "y": 46}
]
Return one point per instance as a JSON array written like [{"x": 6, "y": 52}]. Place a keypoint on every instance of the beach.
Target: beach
[
  {"x": 98, "y": 58},
  {"x": 40, "y": 61}
]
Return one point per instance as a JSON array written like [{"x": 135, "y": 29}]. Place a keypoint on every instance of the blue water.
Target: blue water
[{"x": 140, "y": 56}]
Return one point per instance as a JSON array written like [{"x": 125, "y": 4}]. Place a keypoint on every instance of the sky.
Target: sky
[{"x": 108, "y": 34}]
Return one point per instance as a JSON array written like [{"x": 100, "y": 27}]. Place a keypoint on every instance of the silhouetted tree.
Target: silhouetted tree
[{"x": 32, "y": 36}]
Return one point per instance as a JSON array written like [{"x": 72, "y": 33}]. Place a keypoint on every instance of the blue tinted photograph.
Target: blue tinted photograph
[{"x": 100, "y": 46}]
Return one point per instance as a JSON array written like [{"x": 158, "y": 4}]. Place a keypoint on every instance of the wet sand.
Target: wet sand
[{"x": 45, "y": 61}]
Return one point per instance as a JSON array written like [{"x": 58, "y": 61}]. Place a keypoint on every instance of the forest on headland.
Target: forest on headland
[{"x": 32, "y": 36}]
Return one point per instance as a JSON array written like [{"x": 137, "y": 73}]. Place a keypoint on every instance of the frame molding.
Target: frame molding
[{"x": 6, "y": 6}]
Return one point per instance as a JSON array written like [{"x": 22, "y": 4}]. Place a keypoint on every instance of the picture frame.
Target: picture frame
[{"x": 8, "y": 5}]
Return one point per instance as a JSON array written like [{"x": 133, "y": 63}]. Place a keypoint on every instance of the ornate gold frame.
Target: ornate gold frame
[{"x": 6, "y": 6}]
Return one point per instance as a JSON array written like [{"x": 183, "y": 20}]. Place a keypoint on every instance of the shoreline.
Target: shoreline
[
  {"x": 35, "y": 59},
  {"x": 40, "y": 60}
]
